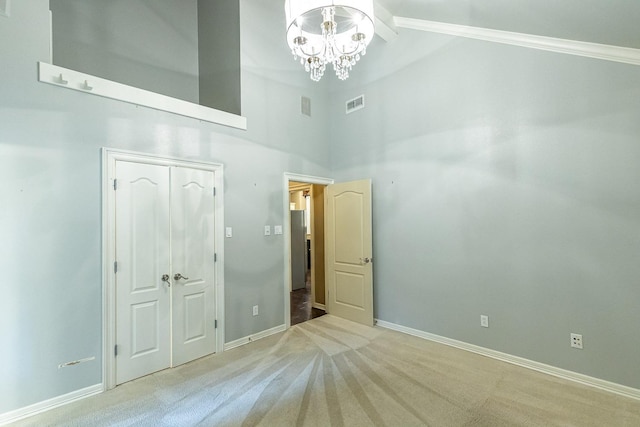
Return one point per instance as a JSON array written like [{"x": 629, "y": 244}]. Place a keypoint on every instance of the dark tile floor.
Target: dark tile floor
[{"x": 301, "y": 309}]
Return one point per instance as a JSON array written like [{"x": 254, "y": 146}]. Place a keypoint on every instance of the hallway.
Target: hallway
[{"x": 301, "y": 309}]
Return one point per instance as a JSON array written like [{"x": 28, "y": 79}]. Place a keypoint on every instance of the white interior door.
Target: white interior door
[
  {"x": 142, "y": 253},
  {"x": 193, "y": 273},
  {"x": 349, "y": 251}
]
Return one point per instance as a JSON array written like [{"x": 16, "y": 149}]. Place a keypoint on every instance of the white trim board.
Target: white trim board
[
  {"x": 605, "y": 52},
  {"x": 519, "y": 361},
  {"x": 5, "y": 8},
  {"x": 385, "y": 26},
  {"x": 254, "y": 337},
  {"x": 86, "y": 83},
  {"x": 45, "y": 405}
]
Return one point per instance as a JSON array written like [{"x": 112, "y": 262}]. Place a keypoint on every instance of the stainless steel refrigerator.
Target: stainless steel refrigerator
[{"x": 298, "y": 250}]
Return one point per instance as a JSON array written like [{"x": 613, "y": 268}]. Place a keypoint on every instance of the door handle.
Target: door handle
[
  {"x": 366, "y": 260},
  {"x": 165, "y": 278},
  {"x": 179, "y": 276}
]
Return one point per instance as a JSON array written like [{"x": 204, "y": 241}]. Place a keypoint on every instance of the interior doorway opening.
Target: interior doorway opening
[
  {"x": 306, "y": 221},
  {"x": 305, "y": 292}
]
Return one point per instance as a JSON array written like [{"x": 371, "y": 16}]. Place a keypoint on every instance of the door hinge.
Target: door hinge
[
  {"x": 215, "y": 324},
  {"x": 115, "y": 266},
  {"x": 115, "y": 184},
  {"x": 214, "y": 191},
  {"x": 115, "y": 350},
  {"x": 215, "y": 257}
]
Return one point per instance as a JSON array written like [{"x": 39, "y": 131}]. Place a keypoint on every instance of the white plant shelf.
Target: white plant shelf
[{"x": 70, "y": 79}]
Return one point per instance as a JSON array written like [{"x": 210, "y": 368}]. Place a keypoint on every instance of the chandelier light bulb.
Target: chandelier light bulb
[{"x": 322, "y": 32}]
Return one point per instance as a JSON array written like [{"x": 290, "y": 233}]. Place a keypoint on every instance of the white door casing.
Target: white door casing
[
  {"x": 192, "y": 254},
  {"x": 349, "y": 251},
  {"x": 211, "y": 276},
  {"x": 142, "y": 253}
]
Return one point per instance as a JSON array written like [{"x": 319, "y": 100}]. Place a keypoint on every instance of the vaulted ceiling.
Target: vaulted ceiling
[{"x": 611, "y": 22}]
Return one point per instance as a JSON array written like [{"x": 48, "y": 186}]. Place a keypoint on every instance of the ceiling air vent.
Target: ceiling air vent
[
  {"x": 305, "y": 106},
  {"x": 4, "y": 7},
  {"x": 355, "y": 104}
]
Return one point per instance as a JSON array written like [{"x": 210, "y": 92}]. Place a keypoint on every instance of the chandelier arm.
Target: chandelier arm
[
  {"x": 302, "y": 54},
  {"x": 358, "y": 49}
]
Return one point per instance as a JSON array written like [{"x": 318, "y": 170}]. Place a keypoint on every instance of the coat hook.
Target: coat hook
[
  {"x": 86, "y": 86},
  {"x": 61, "y": 80}
]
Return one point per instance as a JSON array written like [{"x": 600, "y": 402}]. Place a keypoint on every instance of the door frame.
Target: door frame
[
  {"x": 288, "y": 177},
  {"x": 109, "y": 158}
]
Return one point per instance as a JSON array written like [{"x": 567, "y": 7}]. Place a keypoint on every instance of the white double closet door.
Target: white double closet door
[{"x": 164, "y": 247}]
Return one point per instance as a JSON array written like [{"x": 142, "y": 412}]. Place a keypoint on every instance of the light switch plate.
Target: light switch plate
[
  {"x": 228, "y": 232},
  {"x": 267, "y": 230},
  {"x": 277, "y": 229},
  {"x": 484, "y": 321}
]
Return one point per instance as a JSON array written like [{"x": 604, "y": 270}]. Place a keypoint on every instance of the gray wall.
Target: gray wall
[
  {"x": 50, "y": 221},
  {"x": 506, "y": 176},
  {"x": 505, "y": 183},
  {"x": 149, "y": 44},
  {"x": 219, "y": 54}
]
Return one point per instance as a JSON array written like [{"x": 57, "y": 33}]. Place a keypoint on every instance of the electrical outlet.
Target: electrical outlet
[
  {"x": 576, "y": 341},
  {"x": 484, "y": 321},
  {"x": 255, "y": 310}
]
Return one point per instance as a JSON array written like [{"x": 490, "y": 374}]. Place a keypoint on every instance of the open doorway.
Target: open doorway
[
  {"x": 306, "y": 207},
  {"x": 305, "y": 293}
]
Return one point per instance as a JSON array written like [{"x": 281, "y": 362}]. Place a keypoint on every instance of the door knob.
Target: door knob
[
  {"x": 366, "y": 260},
  {"x": 165, "y": 278},
  {"x": 179, "y": 276}
]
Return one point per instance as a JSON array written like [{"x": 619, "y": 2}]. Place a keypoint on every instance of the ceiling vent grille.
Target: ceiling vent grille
[
  {"x": 4, "y": 7},
  {"x": 305, "y": 106},
  {"x": 355, "y": 104}
]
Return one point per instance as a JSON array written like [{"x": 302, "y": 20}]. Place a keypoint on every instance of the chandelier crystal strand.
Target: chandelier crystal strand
[{"x": 322, "y": 32}]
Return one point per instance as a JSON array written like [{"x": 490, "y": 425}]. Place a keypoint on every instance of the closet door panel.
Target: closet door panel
[
  {"x": 192, "y": 243},
  {"x": 143, "y": 255}
]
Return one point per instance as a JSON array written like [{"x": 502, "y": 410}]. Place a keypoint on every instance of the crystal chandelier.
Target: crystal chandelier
[{"x": 322, "y": 32}]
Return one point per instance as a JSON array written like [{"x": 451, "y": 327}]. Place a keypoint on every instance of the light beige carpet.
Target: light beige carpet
[{"x": 329, "y": 371}]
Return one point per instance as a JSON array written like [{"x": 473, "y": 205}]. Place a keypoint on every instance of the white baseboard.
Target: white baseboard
[
  {"x": 520, "y": 361},
  {"x": 254, "y": 337},
  {"x": 36, "y": 408}
]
